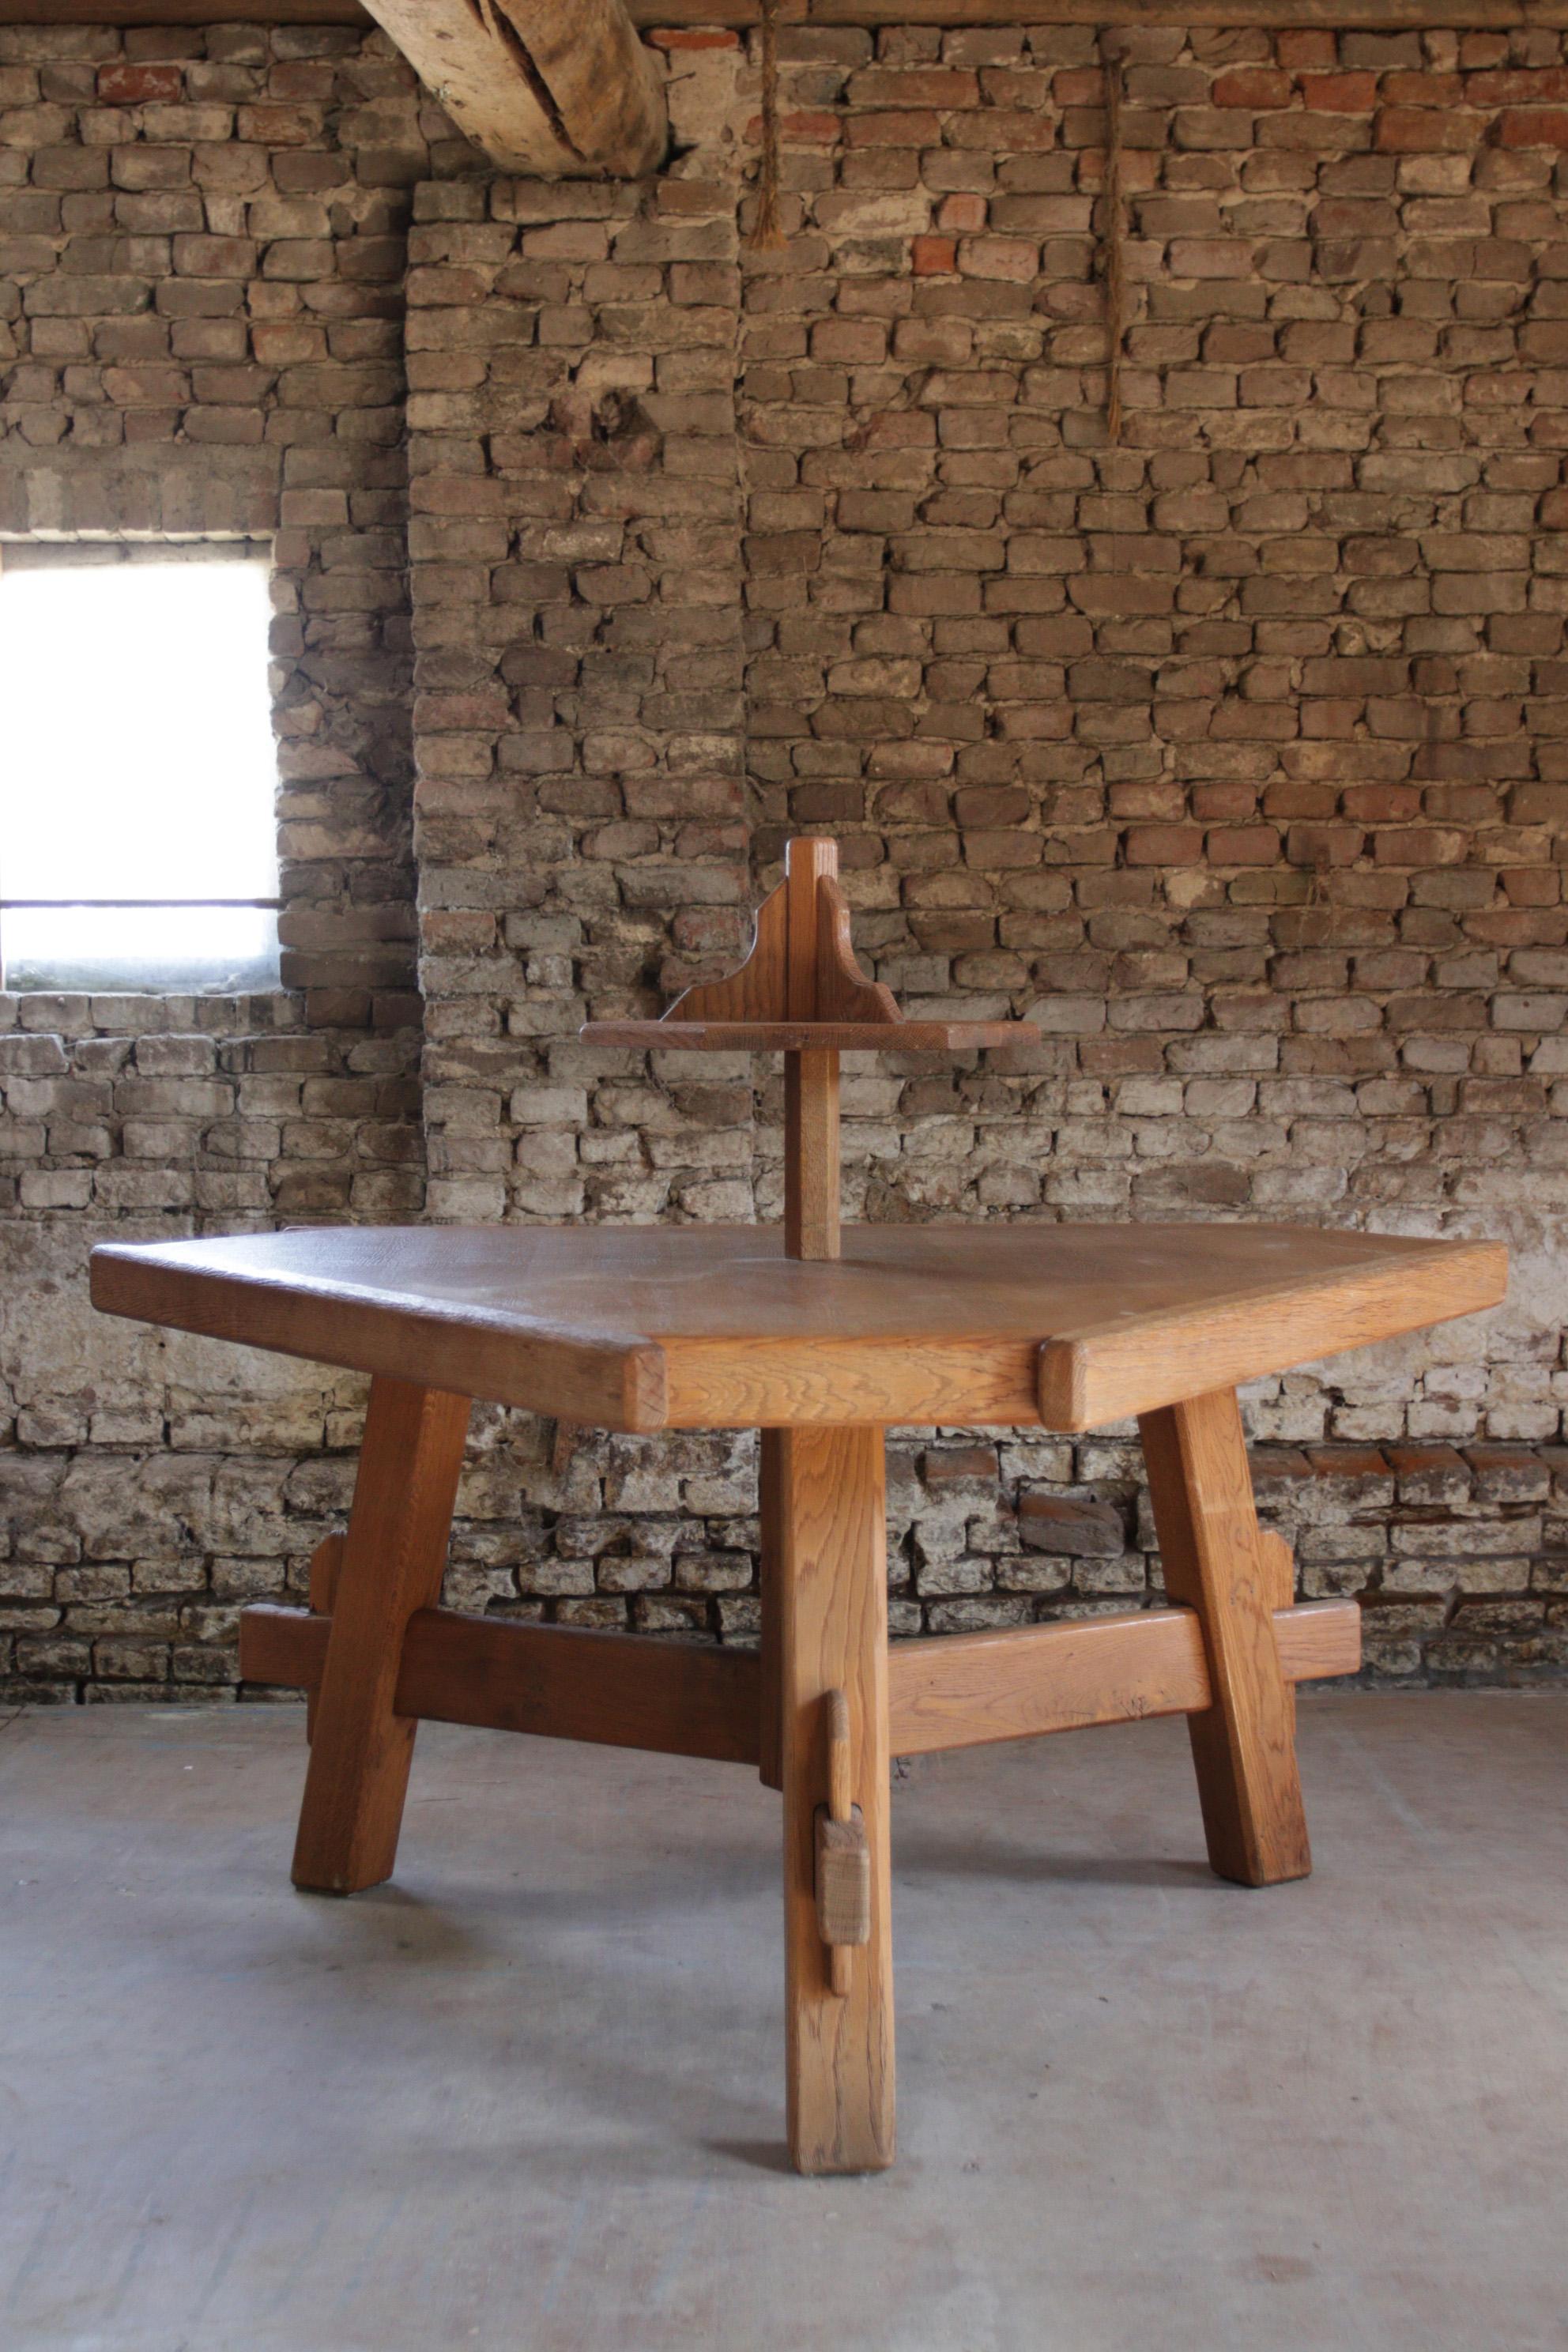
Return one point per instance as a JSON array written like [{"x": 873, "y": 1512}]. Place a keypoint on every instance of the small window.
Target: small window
[{"x": 137, "y": 775}]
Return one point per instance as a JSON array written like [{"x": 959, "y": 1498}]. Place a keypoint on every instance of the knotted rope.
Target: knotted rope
[
  {"x": 766, "y": 234},
  {"x": 1113, "y": 234}
]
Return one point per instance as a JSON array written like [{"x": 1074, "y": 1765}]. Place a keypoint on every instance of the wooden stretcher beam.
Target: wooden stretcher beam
[
  {"x": 961, "y": 1690},
  {"x": 619, "y": 1690},
  {"x": 1347, "y": 16},
  {"x": 965, "y": 1690}
]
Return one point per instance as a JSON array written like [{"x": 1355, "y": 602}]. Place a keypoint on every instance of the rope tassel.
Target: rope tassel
[{"x": 1113, "y": 234}]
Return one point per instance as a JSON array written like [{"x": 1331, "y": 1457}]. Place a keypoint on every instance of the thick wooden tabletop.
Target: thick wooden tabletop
[{"x": 698, "y": 1327}]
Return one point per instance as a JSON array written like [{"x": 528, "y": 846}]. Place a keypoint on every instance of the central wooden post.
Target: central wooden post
[
  {"x": 811, "y": 1077},
  {"x": 830, "y": 1587}
]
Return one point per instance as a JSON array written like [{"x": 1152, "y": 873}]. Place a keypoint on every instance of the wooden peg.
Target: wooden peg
[
  {"x": 1278, "y": 1564},
  {"x": 326, "y": 1561},
  {"x": 843, "y": 1856}
]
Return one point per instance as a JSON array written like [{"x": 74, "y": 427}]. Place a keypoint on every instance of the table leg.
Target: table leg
[
  {"x": 769, "y": 1490},
  {"x": 830, "y": 1589},
  {"x": 393, "y": 1559},
  {"x": 1244, "y": 1742}
]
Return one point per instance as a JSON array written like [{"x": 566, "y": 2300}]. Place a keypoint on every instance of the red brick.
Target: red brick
[
  {"x": 1163, "y": 844},
  {"x": 127, "y": 84},
  {"x": 1423, "y": 89},
  {"x": 1339, "y": 93},
  {"x": 934, "y": 257},
  {"x": 805, "y": 130},
  {"x": 696, "y": 38},
  {"x": 1243, "y": 844},
  {"x": 1537, "y": 127},
  {"x": 962, "y": 215},
  {"x": 908, "y": 128},
  {"x": 1304, "y": 52},
  {"x": 1423, "y": 129},
  {"x": 1256, "y": 86},
  {"x": 1545, "y": 88}
]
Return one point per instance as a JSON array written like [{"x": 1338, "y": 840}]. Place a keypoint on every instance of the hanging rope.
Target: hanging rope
[
  {"x": 766, "y": 234},
  {"x": 1113, "y": 234}
]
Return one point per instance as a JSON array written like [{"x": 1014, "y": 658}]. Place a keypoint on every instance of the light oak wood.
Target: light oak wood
[
  {"x": 1280, "y": 1586},
  {"x": 812, "y": 1175},
  {"x": 554, "y": 1682},
  {"x": 552, "y": 87},
  {"x": 770, "y": 1504},
  {"x": 394, "y": 1556},
  {"x": 843, "y": 1858},
  {"x": 1354, "y": 15},
  {"x": 969, "y": 1690},
  {"x": 842, "y": 1895},
  {"x": 955, "y": 1690},
  {"x": 1243, "y": 1743},
  {"x": 1358, "y": 15},
  {"x": 376, "y": 1300},
  {"x": 800, "y": 990},
  {"x": 326, "y": 1565},
  {"x": 800, "y": 987},
  {"x": 761, "y": 1036},
  {"x": 1116, "y": 1366},
  {"x": 713, "y": 1327},
  {"x": 811, "y": 1156},
  {"x": 833, "y": 1580}
]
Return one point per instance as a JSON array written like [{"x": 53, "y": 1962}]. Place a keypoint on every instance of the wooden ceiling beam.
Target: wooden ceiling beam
[
  {"x": 561, "y": 88},
  {"x": 1344, "y": 15}
]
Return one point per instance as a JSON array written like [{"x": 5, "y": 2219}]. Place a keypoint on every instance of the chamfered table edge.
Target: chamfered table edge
[{"x": 1071, "y": 1381}]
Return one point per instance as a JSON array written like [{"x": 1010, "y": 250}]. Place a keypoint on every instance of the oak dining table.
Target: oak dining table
[{"x": 822, "y": 1336}]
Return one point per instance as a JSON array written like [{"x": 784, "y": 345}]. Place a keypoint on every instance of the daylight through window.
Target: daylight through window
[{"x": 137, "y": 775}]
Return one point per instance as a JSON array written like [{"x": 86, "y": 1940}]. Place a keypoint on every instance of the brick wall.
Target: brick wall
[
  {"x": 201, "y": 287},
  {"x": 1228, "y": 755}
]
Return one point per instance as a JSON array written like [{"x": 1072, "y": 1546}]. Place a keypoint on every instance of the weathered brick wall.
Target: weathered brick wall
[
  {"x": 1228, "y": 755},
  {"x": 201, "y": 287}
]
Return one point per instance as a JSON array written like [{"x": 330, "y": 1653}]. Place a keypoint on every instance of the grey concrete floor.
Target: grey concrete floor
[{"x": 529, "y": 2098}]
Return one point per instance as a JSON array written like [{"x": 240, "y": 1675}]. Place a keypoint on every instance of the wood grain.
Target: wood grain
[
  {"x": 1352, "y": 15},
  {"x": 1279, "y": 1588},
  {"x": 1360, "y": 15},
  {"x": 1243, "y": 1743},
  {"x": 833, "y": 1580},
  {"x": 554, "y": 1682},
  {"x": 770, "y": 1501},
  {"x": 969, "y": 1690},
  {"x": 955, "y": 1690},
  {"x": 552, "y": 87},
  {"x": 811, "y": 1156},
  {"x": 326, "y": 1566},
  {"x": 299, "y": 1299},
  {"x": 645, "y": 1327},
  {"x": 763, "y": 1036},
  {"x": 842, "y": 992},
  {"x": 394, "y": 1556},
  {"x": 1122, "y": 1366},
  {"x": 757, "y": 992}
]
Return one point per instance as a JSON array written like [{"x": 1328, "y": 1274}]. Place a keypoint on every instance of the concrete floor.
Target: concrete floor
[{"x": 529, "y": 2099}]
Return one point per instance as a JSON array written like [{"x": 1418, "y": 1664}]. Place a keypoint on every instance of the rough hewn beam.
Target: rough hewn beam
[
  {"x": 556, "y": 87},
  {"x": 1345, "y": 15}
]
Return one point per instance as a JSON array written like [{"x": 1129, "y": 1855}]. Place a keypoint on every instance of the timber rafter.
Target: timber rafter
[
  {"x": 1344, "y": 15},
  {"x": 560, "y": 88}
]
